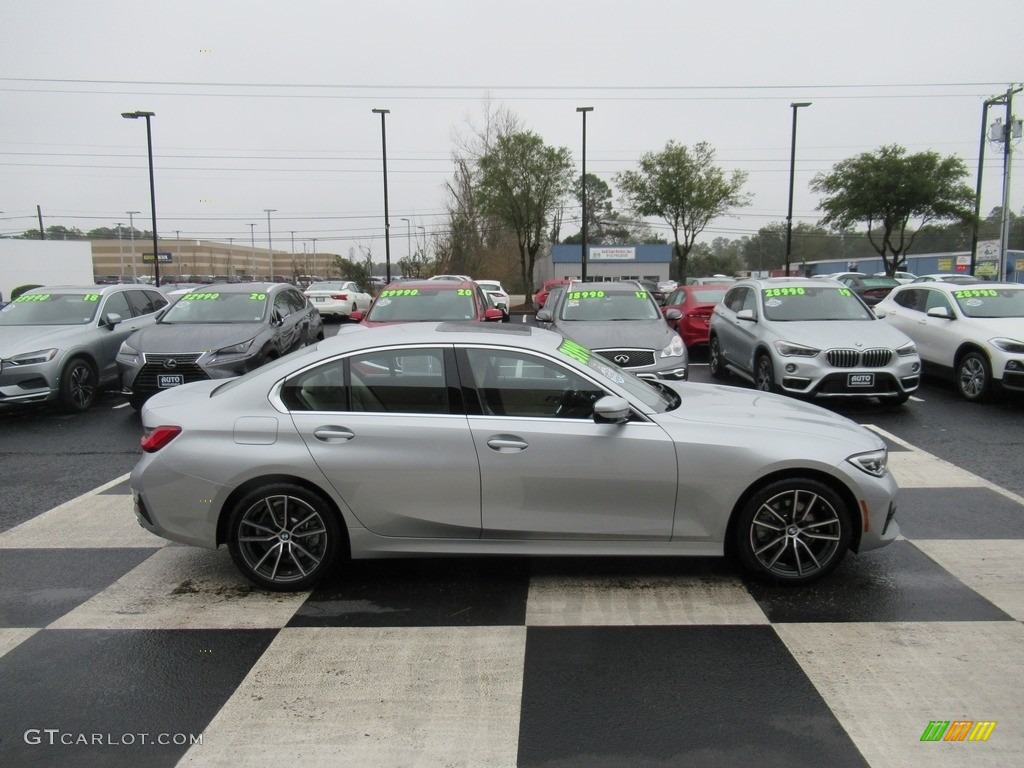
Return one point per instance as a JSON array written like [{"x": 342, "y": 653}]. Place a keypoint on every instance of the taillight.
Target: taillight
[
  {"x": 339, "y": 296},
  {"x": 157, "y": 438}
]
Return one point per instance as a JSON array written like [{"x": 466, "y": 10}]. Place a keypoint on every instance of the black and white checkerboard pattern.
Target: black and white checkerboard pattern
[{"x": 112, "y": 641}]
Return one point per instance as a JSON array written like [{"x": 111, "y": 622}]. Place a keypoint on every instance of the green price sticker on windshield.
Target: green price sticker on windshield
[
  {"x": 91, "y": 297},
  {"x": 201, "y": 297},
  {"x": 577, "y": 295},
  {"x": 464, "y": 292},
  {"x": 32, "y": 297},
  {"x": 976, "y": 293},
  {"x": 257, "y": 297},
  {"x": 774, "y": 292},
  {"x": 389, "y": 294}
]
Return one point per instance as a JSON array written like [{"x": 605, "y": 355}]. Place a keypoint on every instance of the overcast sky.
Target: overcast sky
[{"x": 268, "y": 105}]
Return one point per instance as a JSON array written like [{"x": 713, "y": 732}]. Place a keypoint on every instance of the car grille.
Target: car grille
[
  {"x": 628, "y": 358},
  {"x": 853, "y": 358},
  {"x": 186, "y": 364}
]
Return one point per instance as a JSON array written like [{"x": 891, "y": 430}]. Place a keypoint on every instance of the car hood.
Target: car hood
[
  {"x": 18, "y": 339},
  {"x": 192, "y": 337},
  {"x": 744, "y": 409},
  {"x": 608, "y": 334},
  {"x": 999, "y": 326},
  {"x": 828, "y": 334}
]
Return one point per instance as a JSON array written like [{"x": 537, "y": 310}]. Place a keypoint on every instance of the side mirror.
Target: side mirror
[
  {"x": 673, "y": 314},
  {"x": 611, "y": 409},
  {"x": 111, "y": 319},
  {"x": 746, "y": 314},
  {"x": 493, "y": 315},
  {"x": 940, "y": 312},
  {"x": 879, "y": 313},
  {"x": 356, "y": 316},
  {"x": 544, "y": 316}
]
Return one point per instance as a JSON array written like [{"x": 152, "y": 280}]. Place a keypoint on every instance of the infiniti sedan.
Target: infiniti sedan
[
  {"x": 621, "y": 322},
  {"x": 215, "y": 332},
  {"x": 460, "y": 438}
]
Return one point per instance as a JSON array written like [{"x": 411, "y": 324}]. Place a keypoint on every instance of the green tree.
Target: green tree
[
  {"x": 889, "y": 191},
  {"x": 686, "y": 189},
  {"x": 521, "y": 183}
]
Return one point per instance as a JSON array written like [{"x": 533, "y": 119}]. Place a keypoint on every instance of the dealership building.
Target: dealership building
[{"x": 606, "y": 262}]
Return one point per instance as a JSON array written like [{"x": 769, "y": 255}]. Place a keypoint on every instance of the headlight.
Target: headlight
[
  {"x": 1012, "y": 346},
  {"x": 907, "y": 350},
  {"x": 236, "y": 349},
  {"x": 788, "y": 349},
  {"x": 872, "y": 462},
  {"x": 128, "y": 354},
  {"x": 675, "y": 349},
  {"x": 32, "y": 358}
]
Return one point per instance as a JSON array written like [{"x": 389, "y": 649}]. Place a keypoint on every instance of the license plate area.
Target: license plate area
[
  {"x": 856, "y": 380},
  {"x": 165, "y": 380}
]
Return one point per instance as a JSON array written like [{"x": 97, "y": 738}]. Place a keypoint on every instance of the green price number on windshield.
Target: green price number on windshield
[
  {"x": 577, "y": 295},
  {"x": 774, "y": 292}
]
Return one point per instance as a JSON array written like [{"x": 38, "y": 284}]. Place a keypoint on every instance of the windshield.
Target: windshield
[
  {"x": 813, "y": 303},
  {"x": 990, "y": 302},
  {"x": 609, "y": 304},
  {"x": 404, "y": 305},
  {"x": 215, "y": 307},
  {"x": 51, "y": 309},
  {"x": 655, "y": 397}
]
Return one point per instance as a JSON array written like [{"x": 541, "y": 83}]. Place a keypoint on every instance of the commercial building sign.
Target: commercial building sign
[{"x": 612, "y": 254}]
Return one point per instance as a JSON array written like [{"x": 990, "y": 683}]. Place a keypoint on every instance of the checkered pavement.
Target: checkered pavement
[{"x": 117, "y": 648}]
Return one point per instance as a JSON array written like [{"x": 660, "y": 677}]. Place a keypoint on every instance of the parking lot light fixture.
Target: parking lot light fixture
[
  {"x": 792, "y": 169},
  {"x": 152, "y": 187}
]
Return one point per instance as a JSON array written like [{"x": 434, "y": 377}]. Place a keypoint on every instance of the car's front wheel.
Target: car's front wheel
[
  {"x": 78, "y": 386},
  {"x": 974, "y": 377},
  {"x": 283, "y": 537},
  {"x": 716, "y": 366},
  {"x": 792, "y": 531},
  {"x": 764, "y": 374}
]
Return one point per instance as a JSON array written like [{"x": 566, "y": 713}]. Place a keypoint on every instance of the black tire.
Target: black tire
[
  {"x": 793, "y": 532},
  {"x": 79, "y": 385},
  {"x": 974, "y": 377},
  {"x": 764, "y": 374},
  {"x": 716, "y": 366},
  {"x": 284, "y": 538}
]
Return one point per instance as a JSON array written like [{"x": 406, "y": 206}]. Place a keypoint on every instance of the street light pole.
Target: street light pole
[
  {"x": 418, "y": 226},
  {"x": 792, "y": 172},
  {"x": 583, "y": 181},
  {"x": 408, "y": 237},
  {"x": 152, "y": 188},
  {"x": 387, "y": 223},
  {"x": 131, "y": 235},
  {"x": 120, "y": 246},
  {"x": 252, "y": 252},
  {"x": 270, "y": 241}
]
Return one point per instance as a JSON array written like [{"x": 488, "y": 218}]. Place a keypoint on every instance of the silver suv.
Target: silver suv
[
  {"x": 810, "y": 337},
  {"x": 60, "y": 343}
]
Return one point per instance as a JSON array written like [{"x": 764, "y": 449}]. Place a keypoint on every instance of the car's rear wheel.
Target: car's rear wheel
[
  {"x": 764, "y": 374},
  {"x": 793, "y": 531},
  {"x": 78, "y": 386},
  {"x": 716, "y": 366},
  {"x": 283, "y": 537},
  {"x": 974, "y": 377}
]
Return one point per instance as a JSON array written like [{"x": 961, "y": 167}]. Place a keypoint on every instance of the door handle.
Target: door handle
[
  {"x": 333, "y": 434},
  {"x": 507, "y": 444}
]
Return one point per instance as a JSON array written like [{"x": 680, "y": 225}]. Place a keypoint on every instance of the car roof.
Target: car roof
[
  {"x": 949, "y": 286},
  {"x": 100, "y": 289},
  {"x": 244, "y": 287},
  {"x": 449, "y": 331},
  {"x": 434, "y": 285}
]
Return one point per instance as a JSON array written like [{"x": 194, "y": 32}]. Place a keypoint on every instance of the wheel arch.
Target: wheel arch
[
  {"x": 252, "y": 484},
  {"x": 832, "y": 482},
  {"x": 967, "y": 347}
]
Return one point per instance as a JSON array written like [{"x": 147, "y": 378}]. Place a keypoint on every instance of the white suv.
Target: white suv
[
  {"x": 810, "y": 337},
  {"x": 973, "y": 334}
]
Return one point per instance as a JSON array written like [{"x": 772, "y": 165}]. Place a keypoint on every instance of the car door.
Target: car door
[
  {"x": 738, "y": 337},
  {"x": 547, "y": 470},
  {"x": 384, "y": 430},
  {"x": 288, "y": 332},
  {"x": 112, "y": 336}
]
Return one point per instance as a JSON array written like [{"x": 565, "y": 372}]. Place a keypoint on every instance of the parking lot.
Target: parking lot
[{"x": 120, "y": 649}]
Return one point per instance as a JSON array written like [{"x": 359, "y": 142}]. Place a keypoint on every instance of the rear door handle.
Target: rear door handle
[
  {"x": 333, "y": 434},
  {"x": 507, "y": 444}
]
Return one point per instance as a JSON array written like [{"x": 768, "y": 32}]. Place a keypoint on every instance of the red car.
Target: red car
[
  {"x": 696, "y": 303},
  {"x": 413, "y": 301},
  {"x": 542, "y": 295}
]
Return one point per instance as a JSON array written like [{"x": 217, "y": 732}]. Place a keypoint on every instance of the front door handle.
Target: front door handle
[{"x": 333, "y": 434}]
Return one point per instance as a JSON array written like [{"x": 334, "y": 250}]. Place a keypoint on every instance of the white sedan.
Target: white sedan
[
  {"x": 338, "y": 298},
  {"x": 497, "y": 292}
]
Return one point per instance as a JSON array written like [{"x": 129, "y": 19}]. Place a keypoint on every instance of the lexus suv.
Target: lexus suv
[{"x": 810, "y": 337}]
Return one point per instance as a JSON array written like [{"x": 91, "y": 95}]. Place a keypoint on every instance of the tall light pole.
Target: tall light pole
[
  {"x": 252, "y": 252},
  {"x": 120, "y": 247},
  {"x": 418, "y": 226},
  {"x": 583, "y": 182},
  {"x": 408, "y": 237},
  {"x": 152, "y": 188},
  {"x": 792, "y": 171},
  {"x": 270, "y": 241},
  {"x": 131, "y": 235},
  {"x": 387, "y": 223}
]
